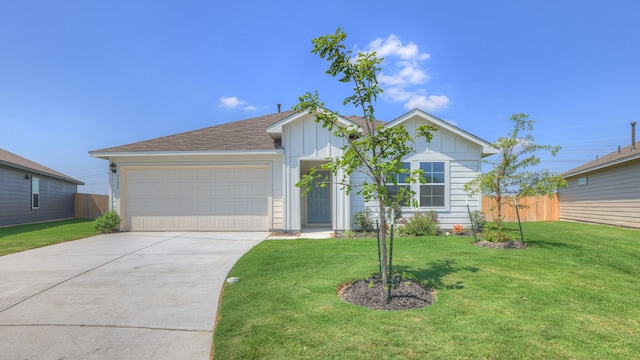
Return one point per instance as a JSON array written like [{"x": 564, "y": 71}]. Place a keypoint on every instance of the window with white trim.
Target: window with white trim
[
  {"x": 402, "y": 181},
  {"x": 432, "y": 192},
  {"x": 35, "y": 193}
]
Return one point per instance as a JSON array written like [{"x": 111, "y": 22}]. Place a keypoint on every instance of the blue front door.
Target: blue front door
[{"x": 318, "y": 201}]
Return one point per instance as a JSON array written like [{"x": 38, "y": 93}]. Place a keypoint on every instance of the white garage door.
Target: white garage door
[{"x": 196, "y": 198}]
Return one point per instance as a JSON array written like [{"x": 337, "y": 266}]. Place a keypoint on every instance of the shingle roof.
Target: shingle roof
[
  {"x": 12, "y": 160},
  {"x": 247, "y": 134},
  {"x": 625, "y": 154},
  {"x": 362, "y": 121}
]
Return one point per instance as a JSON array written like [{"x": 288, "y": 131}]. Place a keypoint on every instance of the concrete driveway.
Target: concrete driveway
[{"x": 117, "y": 296}]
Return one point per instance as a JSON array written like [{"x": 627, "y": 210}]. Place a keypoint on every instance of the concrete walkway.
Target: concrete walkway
[
  {"x": 117, "y": 296},
  {"x": 306, "y": 233}
]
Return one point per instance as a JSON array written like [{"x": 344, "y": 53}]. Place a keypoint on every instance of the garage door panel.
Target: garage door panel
[
  {"x": 260, "y": 174},
  {"x": 259, "y": 190},
  {"x": 222, "y": 174},
  {"x": 205, "y": 190},
  {"x": 216, "y": 198},
  {"x": 151, "y": 222},
  {"x": 168, "y": 190},
  {"x": 205, "y": 174},
  {"x": 150, "y": 175},
  {"x": 168, "y": 175},
  {"x": 169, "y": 223},
  {"x": 240, "y": 174}
]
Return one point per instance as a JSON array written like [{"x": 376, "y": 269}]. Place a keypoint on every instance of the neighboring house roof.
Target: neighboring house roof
[
  {"x": 626, "y": 154},
  {"x": 14, "y": 161}
]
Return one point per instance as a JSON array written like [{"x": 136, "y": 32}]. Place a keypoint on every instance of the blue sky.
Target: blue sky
[{"x": 83, "y": 75}]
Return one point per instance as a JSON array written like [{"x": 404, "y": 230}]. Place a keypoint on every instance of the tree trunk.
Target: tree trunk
[
  {"x": 383, "y": 247},
  {"x": 499, "y": 205}
]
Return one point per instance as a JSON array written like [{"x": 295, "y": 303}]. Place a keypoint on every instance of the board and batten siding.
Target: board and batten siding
[
  {"x": 306, "y": 143},
  {"x": 609, "y": 196},
  {"x": 462, "y": 160},
  {"x": 57, "y": 198}
]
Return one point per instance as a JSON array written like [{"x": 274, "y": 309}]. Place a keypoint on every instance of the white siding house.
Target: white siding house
[
  {"x": 452, "y": 153},
  {"x": 242, "y": 175}
]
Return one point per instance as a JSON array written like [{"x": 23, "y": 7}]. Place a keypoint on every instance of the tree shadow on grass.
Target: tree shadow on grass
[
  {"x": 549, "y": 244},
  {"x": 433, "y": 276}
]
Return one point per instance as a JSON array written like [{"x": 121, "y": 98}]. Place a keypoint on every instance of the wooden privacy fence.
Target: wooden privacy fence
[
  {"x": 541, "y": 208},
  {"x": 90, "y": 206}
]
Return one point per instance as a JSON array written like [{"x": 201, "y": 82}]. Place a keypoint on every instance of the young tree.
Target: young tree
[
  {"x": 378, "y": 151},
  {"x": 509, "y": 176}
]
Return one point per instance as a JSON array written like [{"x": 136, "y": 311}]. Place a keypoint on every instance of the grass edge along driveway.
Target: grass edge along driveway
[
  {"x": 571, "y": 295},
  {"x": 24, "y": 237}
]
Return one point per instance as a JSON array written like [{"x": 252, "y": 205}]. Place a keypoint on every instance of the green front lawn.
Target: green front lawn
[
  {"x": 25, "y": 237},
  {"x": 573, "y": 295}
]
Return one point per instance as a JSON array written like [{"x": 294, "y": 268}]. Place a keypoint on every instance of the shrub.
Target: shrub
[
  {"x": 421, "y": 224},
  {"x": 496, "y": 234},
  {"x": 362, "y": 220},
  {"x": 107, "y": 222},
  {"x": 479, "y": 221}
]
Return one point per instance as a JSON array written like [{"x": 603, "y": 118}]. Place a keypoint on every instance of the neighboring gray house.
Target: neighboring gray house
[
  {"x": 606, "y": 190},
  {"x": 242, "y": 175},
  {"x": 31, "y": 193}
]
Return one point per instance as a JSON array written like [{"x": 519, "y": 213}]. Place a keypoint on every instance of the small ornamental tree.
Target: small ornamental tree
[
  {"x": 377, "y": 151},
  {"x": 509, "y": 177}
]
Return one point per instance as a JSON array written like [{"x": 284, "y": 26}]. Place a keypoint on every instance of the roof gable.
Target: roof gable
[
  {"x": 14, "y": 161},
  {"x": 275, "y": 130},
  {"x": 487, "y": 147}
]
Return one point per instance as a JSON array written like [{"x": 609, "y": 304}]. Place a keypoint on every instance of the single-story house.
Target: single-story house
[
  {"x": 606, "y": 190},
  {"x": 242, "y": 175},
  {"x": 31, "y": 193}
]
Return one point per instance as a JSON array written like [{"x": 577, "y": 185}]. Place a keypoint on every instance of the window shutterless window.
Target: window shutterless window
[
  {"x": 401, "y": 180},
  {"x": 432, "y": 192},
  {"x": 35, "y": 193}
]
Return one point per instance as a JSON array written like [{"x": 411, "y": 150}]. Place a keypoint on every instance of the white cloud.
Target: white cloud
[
  {"x": 417, "y": 99},
  {"x": 427, "y": 103},
  {"x": 230, "y": 102},
  {"x": 403, "y": 73},
  {"x": 233, "y": 102},
  {"x": 393, "y": 46}
]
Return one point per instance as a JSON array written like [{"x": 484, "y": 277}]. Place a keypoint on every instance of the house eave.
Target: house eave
[
  {"x": 41, "y": 173},
  {"x": 601, "y": 166},
  {"x": 109, "y": 154}
]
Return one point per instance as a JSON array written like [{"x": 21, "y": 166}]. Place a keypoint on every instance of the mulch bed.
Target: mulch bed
[
  {"x": 501, "y": 245},
  {"x": 405, "y": 295}
]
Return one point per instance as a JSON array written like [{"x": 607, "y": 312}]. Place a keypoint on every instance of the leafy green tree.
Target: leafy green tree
[
  {"x": 509, "y": 177},
  {"x": 378, "y": 151}
]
